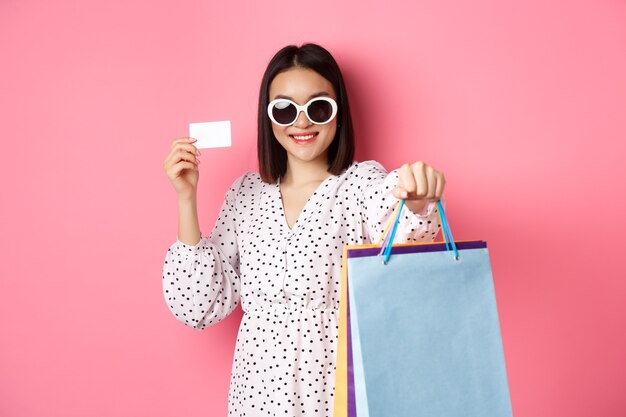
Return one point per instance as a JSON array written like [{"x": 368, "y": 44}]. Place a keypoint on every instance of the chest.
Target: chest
[
  {"x": 294, "y": 199},
  {"x": 286, "y": 233}
]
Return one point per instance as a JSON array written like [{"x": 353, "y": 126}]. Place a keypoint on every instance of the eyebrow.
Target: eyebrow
[{"x": 312, "y": 96}]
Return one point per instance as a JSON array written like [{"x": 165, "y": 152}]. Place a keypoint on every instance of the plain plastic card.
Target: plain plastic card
[{"x": 211, "y": 134}]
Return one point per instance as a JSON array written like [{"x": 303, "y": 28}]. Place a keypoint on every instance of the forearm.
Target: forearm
[
  {"x": 201, "y": 274},
  {"x": 188, "y": 225}
]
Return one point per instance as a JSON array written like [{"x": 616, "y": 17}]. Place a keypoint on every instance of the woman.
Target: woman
[{"x": 276, "y": 246}]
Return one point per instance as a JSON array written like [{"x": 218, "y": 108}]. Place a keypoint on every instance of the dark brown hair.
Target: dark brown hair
[{"x": 272, "y": 156}]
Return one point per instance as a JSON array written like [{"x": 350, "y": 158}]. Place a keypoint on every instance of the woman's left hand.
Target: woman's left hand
[{"x": 419, "y": 184}]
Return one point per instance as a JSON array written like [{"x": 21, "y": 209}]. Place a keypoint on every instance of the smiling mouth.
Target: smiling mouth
[{"x": 304, "y": 138}]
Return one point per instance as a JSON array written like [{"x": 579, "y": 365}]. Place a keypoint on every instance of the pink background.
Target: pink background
[{"x": 521, "y": 104}]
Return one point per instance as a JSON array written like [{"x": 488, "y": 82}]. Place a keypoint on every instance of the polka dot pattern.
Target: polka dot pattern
[{"x": 286, "y": 280}]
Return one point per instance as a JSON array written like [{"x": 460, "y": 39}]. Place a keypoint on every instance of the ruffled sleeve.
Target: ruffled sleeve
[{"x": 201, "y": 283}]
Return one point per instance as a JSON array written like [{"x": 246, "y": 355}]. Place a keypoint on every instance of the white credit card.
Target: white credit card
[{"x": 210, "y": 134}]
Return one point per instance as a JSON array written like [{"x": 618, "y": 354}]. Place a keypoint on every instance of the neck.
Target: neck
[{"x": 299, "y": 172}]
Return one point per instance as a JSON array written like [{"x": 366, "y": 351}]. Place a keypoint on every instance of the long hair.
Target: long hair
[{"x": 272, "y": 156}]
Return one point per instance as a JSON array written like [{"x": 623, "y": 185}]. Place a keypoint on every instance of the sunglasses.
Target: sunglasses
[{"x": 319, "y": 110}]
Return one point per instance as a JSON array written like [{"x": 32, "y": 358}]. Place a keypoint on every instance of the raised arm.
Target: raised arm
[
  {"x": 200, "y": 275},
  {"x": 201, "y": 282},
  {"x": 378, "y": 204}
]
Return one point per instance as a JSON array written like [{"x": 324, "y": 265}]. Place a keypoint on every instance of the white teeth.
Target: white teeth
[{"x": 307, "y": 137}]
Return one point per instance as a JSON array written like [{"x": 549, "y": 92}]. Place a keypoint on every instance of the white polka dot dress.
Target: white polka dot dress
[{"x": 286, "y": 280}]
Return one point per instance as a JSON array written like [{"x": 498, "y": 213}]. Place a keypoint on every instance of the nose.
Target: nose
[{"x": 302, "y": 121}]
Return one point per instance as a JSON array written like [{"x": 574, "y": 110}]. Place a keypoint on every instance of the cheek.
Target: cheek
[
  {"x": 332, "y": 131},
  {"x": 277, "y": 130}
]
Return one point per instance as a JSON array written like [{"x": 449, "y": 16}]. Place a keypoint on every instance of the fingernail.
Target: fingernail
[
  {"x": 193, "y": 139},
  {"x": 198, "y": 152}
]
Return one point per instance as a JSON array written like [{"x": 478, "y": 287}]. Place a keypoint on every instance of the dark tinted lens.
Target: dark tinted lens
[
  {"x": 320, "y": 111},
  {"x": 284, "y": 112}
]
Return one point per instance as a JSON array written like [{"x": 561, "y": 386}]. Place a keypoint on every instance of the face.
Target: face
[{"x": 303, "y": 140}]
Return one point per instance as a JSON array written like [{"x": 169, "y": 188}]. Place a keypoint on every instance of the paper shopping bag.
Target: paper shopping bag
[
  {"x": 422, "y": 331},
  {"x": 344, "y": 395}
]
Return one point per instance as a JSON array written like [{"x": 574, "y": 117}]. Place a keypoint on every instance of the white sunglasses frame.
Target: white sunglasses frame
[{"x": 303, "y": 108}]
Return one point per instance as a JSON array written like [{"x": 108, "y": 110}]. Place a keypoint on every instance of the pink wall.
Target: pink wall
[{"x": 521, "y": 104}]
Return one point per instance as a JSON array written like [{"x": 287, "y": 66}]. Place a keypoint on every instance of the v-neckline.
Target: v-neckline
[{"x": 299, "y": 219}]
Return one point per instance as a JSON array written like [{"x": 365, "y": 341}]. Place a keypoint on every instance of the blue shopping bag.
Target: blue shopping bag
[{"x": 424, "y": 335}]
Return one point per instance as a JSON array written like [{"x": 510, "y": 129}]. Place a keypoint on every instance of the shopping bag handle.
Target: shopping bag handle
[
  {"x": 388, "y": 236},
  {"x": 447, "y": 232}
]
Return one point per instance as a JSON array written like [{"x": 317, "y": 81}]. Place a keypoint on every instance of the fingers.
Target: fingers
[
  {"x": 431, "y": 180},
  {"x": 399, "y": 192},
  {"x": 441, "y": 183},
  {"x": 419, "y": 181},
  {"x": 182, "y": 150},
  {"x": 175, "y": 169},
  {"x": 406, "y": 182},
  {"x": 419, "y": 172},
  {"x": 182, "y": 141},
  {"x": 186, "y": 144},
  {"x": 179, "y": 154}
]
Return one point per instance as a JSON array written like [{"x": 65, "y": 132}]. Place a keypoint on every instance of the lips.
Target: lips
[{"x": 304, "y": 138}]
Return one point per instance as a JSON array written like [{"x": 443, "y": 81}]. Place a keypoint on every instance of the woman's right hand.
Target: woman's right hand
[{"x": 181, "y": 166}]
